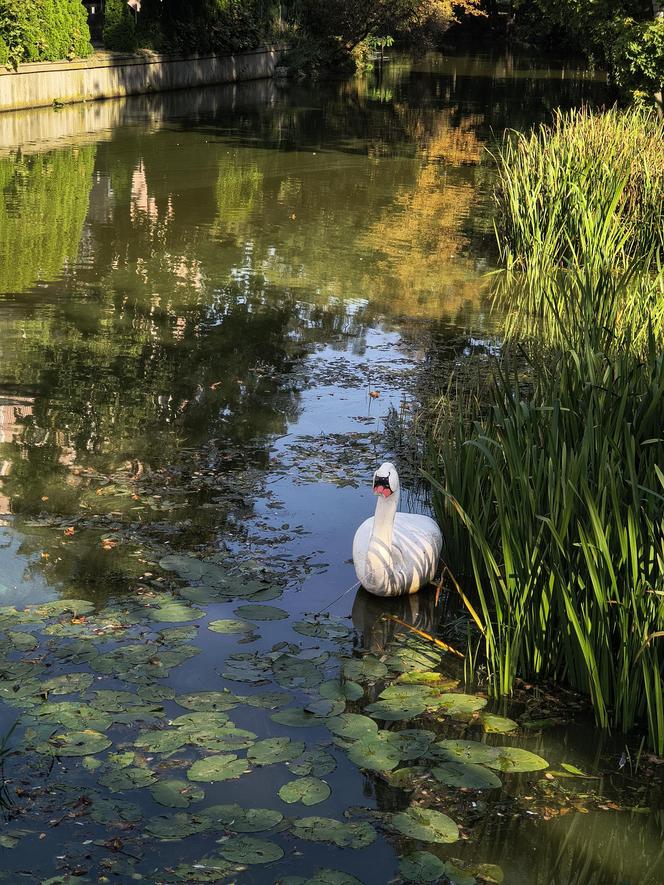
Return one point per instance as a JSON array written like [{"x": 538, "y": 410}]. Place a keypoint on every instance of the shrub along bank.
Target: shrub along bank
[{"x": 42, "y": 30}]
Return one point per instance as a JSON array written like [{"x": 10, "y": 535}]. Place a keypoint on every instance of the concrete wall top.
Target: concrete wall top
[{"x": 106, "y": 59}]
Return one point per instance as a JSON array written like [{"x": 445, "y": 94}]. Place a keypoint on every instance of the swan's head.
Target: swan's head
[{"x": 386, "y": 480}]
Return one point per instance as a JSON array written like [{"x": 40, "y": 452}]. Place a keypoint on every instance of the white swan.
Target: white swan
[{"x": 395, "y": 553}]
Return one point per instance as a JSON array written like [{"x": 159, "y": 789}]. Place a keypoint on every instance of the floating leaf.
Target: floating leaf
[
  {"x": 364, "y": 669},
  {"x": 176, "y": 793},
  {"x": 307, "y": 790},
  {"x": 453, "y": 704},
  {"x": 273, "y": 750},
  {"x": 464, "y": 751},
  {"x": 268, "y": 700},
  {"x": 411, "y": 743},
  {"x": 176, "y": 826},
  {"x": 431, "y": 678},
  {"x": 104, "y": 811},
  {"x": 352, "y": 726},
  {"x": 231, "y": 625},
  {"x": 261, "y": 612},
  {"x": 333, "y": 690},
  {"x": 466, "y": 774},
  {"x": 127, "y": 779},
  {"x": 75, "y": 743},
  {"x": 375, "y": 753},
  {"x": 249, "y": 850},
  {"x": 323, "y": 629},
  {"x": 426, "y": 825},
  {"x": 207, "y": 870},
  {"x": 493, "y": 724},
  {"x": 217, "y": 768},
  {"x": 515, "y": 759},
  {"x": 242, "y": 820},
  {"x": 404, "y": 778},
  {"x": 325, "y": 829},
  {"x": 315, "y": 762},
  {"x": 297, "y": 718},
  {"x": 422, "y": 866},
  {"x": 219, "y": 701},
  {"x": 74, "y": 716},
  {"x": 390, "y": 710},
  {"x": 68, "y": 683},
  {"x": 322, "y": 877},
  {"x": 168, "y": 612}
]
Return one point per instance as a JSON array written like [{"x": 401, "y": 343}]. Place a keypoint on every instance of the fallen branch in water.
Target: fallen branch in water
[{"x": 438, "y": 642}]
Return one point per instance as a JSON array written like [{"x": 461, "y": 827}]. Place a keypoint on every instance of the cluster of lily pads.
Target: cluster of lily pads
[{"x": 62, "y": 661}]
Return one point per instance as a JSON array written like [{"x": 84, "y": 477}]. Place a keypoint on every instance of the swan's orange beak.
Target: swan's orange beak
[{"x": 381, "y": 486}]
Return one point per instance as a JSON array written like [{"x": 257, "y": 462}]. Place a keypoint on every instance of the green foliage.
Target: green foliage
[
  {"x": 587, "y": 192},
  {"x": 550, "y": 490},
  {"x": 621, "y": 34},
  {"x": 43, "y": 30},
  {"x": 637, "y": 57},
  {"x": 119, "y": 27}
]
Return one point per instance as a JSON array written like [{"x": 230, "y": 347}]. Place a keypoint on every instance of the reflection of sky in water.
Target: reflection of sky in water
[{"x": 225, "y": 276}]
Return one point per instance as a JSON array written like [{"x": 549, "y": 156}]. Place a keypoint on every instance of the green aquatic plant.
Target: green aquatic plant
[
  {"x": 580, "y": 221},
  {"x": 556, "y": 485}
]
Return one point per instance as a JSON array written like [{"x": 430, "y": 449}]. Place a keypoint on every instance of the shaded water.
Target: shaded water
[{"x": 199, "y": 294}]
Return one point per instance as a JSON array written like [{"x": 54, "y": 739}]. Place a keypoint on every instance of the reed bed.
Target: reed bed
[
  {"x": 585, "y": 192},
  {"x": 550, "y": 484}
]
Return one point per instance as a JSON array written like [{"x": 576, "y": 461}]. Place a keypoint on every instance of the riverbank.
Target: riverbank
[{"x": 115, "y": 74}]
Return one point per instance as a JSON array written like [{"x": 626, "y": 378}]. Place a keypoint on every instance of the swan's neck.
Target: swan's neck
[{"x": 379, "y": 555}]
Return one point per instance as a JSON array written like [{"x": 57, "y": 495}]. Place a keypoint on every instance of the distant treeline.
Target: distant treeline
[{"x": 624, "y": 36}]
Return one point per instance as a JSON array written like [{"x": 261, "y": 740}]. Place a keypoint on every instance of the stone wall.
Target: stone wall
[{"x": 106, "y": 75}]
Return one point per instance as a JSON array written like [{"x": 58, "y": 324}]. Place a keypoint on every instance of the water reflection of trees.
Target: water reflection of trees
[{"x": 211, "y": 259}]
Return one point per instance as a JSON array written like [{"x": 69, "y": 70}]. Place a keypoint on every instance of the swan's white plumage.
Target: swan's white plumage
[{"x": 395, "y": 553}]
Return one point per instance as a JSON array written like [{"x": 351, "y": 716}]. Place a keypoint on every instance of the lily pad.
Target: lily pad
[
  {"x": 464, "y": 751},
  {"x": 296, "y": 717},
  {"x": 365, "y": 669},
  {"x": 315, "y": 762},
  {"x": 249, "y": 850},
  {"x": 307, "y": 790},
  {"x": 390, "y": 710},
  {"x": 426, "y": 825},
  {"x": 231, "y": 625},
  {"x": 322, "y": 629},
  {"x": 515, "y": 759},
  {"x": 217, "y": 768},
  {"x": 422, "y": 866},
  {"x": 176, "y": 793},
  {"x": 411, "y": 743},
  {"x": 493, "y": 724},
  {"x": 261, "y": 612},
  {"x": 173, "y": 612},
  {"x": 242, "y": 820},
  {"x": 375, "y": 753},
  {"x": 322, "y": 877},
  {"x": 333, "y": 690},
  {"x": 325, "y": 829},
  {"x": 273, "y": 750},
  {"x": 176, "y": 826},
  {"x": 468, "y": 775},
  {"x": 219, "y": 701},
  {"x": 104, "y": 811},
  {"x": 131, "y": 778},
  {"x": 68, "y": 683},
  {"x": 75, "y": 743},
  {"x": 352, "y": 726},
  {"x": 453, "y": 704}
]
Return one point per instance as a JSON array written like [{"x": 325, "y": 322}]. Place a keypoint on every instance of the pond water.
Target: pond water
[{"x": 211, "y": 302}]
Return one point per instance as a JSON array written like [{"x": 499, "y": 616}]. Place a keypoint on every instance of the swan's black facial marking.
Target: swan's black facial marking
[{"x": 382, "y": 486}]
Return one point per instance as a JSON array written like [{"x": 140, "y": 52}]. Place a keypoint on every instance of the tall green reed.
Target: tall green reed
[{"x": 550, "y": 484}]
